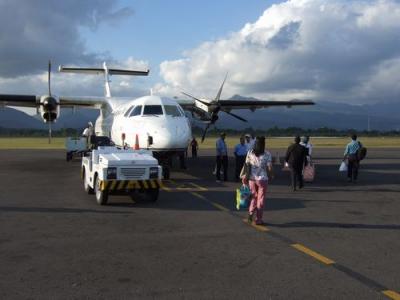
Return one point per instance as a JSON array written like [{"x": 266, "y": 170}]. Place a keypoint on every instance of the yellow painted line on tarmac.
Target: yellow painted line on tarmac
[
  {"x": 199, "y": 196},
  {"x": 219, "y": 206},
  {"x": 216, "y": 205},
  {"x": 163, "y": 186},
  {"x": 391, "y": 294},
  {"x": 314, "y": 254},
  {"x": 203, "y": 189},
  {"x": 262, "y": 228}
]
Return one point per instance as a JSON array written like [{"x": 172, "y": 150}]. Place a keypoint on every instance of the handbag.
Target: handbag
[
  {"x": 246, "y": 169},
  {"x": 309, "y": 173},
  {"x": 243, "y": 197},
  {"x": 343, "y": 167}
]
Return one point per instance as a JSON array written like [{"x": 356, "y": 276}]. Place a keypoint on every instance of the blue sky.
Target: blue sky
[{"x": 162, "y": 30}]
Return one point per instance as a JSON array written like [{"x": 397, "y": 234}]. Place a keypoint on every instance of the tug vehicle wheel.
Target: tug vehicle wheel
[
  {"x": 101, "y": 196},
  {"x": 86, "y": 185}
]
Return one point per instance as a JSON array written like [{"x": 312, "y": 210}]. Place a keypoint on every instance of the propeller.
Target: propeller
[
  {"x": 205, "y": 132},
  {"x": 49, "y": 77},
  {"x": 50, "y": 102},
  {"x": 216, "y": 108},
  {"x": 235, "y": 116}
]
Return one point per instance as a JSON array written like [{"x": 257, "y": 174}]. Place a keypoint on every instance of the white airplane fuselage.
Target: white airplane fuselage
[{"x": 134, "y": 121}]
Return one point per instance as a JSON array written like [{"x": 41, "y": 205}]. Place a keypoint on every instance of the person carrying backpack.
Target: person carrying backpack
[{"x": 354, "y": 152}]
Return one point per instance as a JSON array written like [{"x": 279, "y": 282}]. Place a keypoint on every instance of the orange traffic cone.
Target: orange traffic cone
[{"x": 136, "y": 143}]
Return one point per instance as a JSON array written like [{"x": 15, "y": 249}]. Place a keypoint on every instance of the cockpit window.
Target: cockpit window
[
  {"x": 181, "y": 110},
  {"x": 128, "y": 111},
  {"x": 152, "y": 110},
  {"x": 172, "y": 110},
  {"x": 136, "y": 111}
]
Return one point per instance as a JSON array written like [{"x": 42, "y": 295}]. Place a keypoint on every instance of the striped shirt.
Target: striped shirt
[{"x": 352, "y": 148}]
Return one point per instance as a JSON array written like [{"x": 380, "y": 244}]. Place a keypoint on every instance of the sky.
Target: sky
[{"x": 324, "y": 50}]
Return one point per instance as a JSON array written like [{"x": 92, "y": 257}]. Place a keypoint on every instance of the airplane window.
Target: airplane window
[
  {"x": 136, "y": 111},
  {"x": 172, "y": 110},
  {"x": 152, "y": 110},
  {"x": 128, "y": 111},
  {"x": 181, "y": 110}
]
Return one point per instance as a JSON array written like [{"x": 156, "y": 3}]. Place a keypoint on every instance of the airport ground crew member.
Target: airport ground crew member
[
  {"x": 194, "y": 145},
  {"x": 249, "y": 141},
  {"x": 90, "y": 135},
  {"x": 222, "y": 157},
  {"x": 260, "y": 162},
  {"x": 240, "y": 153},
  {"x": 296, "y": 159},
  {"x": 350, "y": 153}
]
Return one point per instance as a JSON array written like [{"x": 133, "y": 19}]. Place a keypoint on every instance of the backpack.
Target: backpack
[{"x": 361, "y": 152}]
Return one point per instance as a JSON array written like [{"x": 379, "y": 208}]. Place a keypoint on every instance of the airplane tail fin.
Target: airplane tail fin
[{"x": 106, "y": 71}]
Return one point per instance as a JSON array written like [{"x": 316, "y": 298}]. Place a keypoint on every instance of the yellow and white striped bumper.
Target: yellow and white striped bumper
[{"x": 118, "y": 185}]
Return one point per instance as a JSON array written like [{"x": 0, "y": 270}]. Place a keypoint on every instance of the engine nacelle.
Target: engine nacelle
[{"x": 49, "y": 108}]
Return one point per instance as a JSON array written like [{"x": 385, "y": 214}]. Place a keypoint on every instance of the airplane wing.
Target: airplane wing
[
  {"x": 88, "y": 102},
  {"x": 19, "y": 100},
  {"x": 256, "y": 104},
  {"x": 64, "y": 101},
  {"x": 190, "y": 104}
]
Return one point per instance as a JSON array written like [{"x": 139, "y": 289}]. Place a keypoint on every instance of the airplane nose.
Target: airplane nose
[{"x": 170, "y": 137}]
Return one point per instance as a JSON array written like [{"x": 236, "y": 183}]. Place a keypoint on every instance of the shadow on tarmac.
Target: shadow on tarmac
[
  {"x": 334, "y": 225},
  {"x": 327, "y": 175},
  {"x": 57, "y": 210}
]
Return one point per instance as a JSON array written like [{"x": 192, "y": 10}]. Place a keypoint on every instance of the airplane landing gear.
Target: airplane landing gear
[{"x": 166, "y": 172}]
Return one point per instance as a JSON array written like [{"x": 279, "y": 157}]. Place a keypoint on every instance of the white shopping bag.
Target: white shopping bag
[{"x": 343, "y": 167}]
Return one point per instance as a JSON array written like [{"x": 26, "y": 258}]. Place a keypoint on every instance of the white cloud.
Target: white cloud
[{"x": 321, "y": 49}]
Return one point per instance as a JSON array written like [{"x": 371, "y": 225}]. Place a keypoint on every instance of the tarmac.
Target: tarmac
[{"x": 331, "y": 240}]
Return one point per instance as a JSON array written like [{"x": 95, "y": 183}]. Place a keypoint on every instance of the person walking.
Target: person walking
[
  {"x": 350, "y": 153},
  {"x": 305, "y": 142},
  {"x": 249, "y": 141},
  {"x": 222, "y": 157},
  {"x": 194, "y": 145},
  {"x": 296, "y": 159},
  {"x": 240, "y": 153},
  {"x": 260, "y": 163}
]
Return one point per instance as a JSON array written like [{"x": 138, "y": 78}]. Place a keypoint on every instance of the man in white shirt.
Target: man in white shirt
[
  {"x": 249, "y": 141},
  {"x": 306, "y": 143}
]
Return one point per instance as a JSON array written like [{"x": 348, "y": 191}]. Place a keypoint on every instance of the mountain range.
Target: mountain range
[{"x": 379, "y": 116}]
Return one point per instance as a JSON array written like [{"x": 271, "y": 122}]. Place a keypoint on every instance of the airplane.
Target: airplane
[{"x": 149, "y": 122}]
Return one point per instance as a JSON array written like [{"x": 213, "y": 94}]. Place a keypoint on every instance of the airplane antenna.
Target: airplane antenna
[{"x": 107, "y": 90}]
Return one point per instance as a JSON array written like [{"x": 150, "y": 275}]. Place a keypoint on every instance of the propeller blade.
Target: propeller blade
[
  {"x": 220, "y": 89},
  {"x": 197, "y": 99},
  {"x": 190, "y": 96},
  {"x": 49, "y": 77},
  {"x": 49, "y": 132},
  {"x": 205, "y": 132},
  {"x": 235, "y": 116}
]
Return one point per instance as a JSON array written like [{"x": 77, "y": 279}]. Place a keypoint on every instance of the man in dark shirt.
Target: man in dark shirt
[
  {"x": 194, "y": 145},
  {"x": 296, "y": 158}
]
